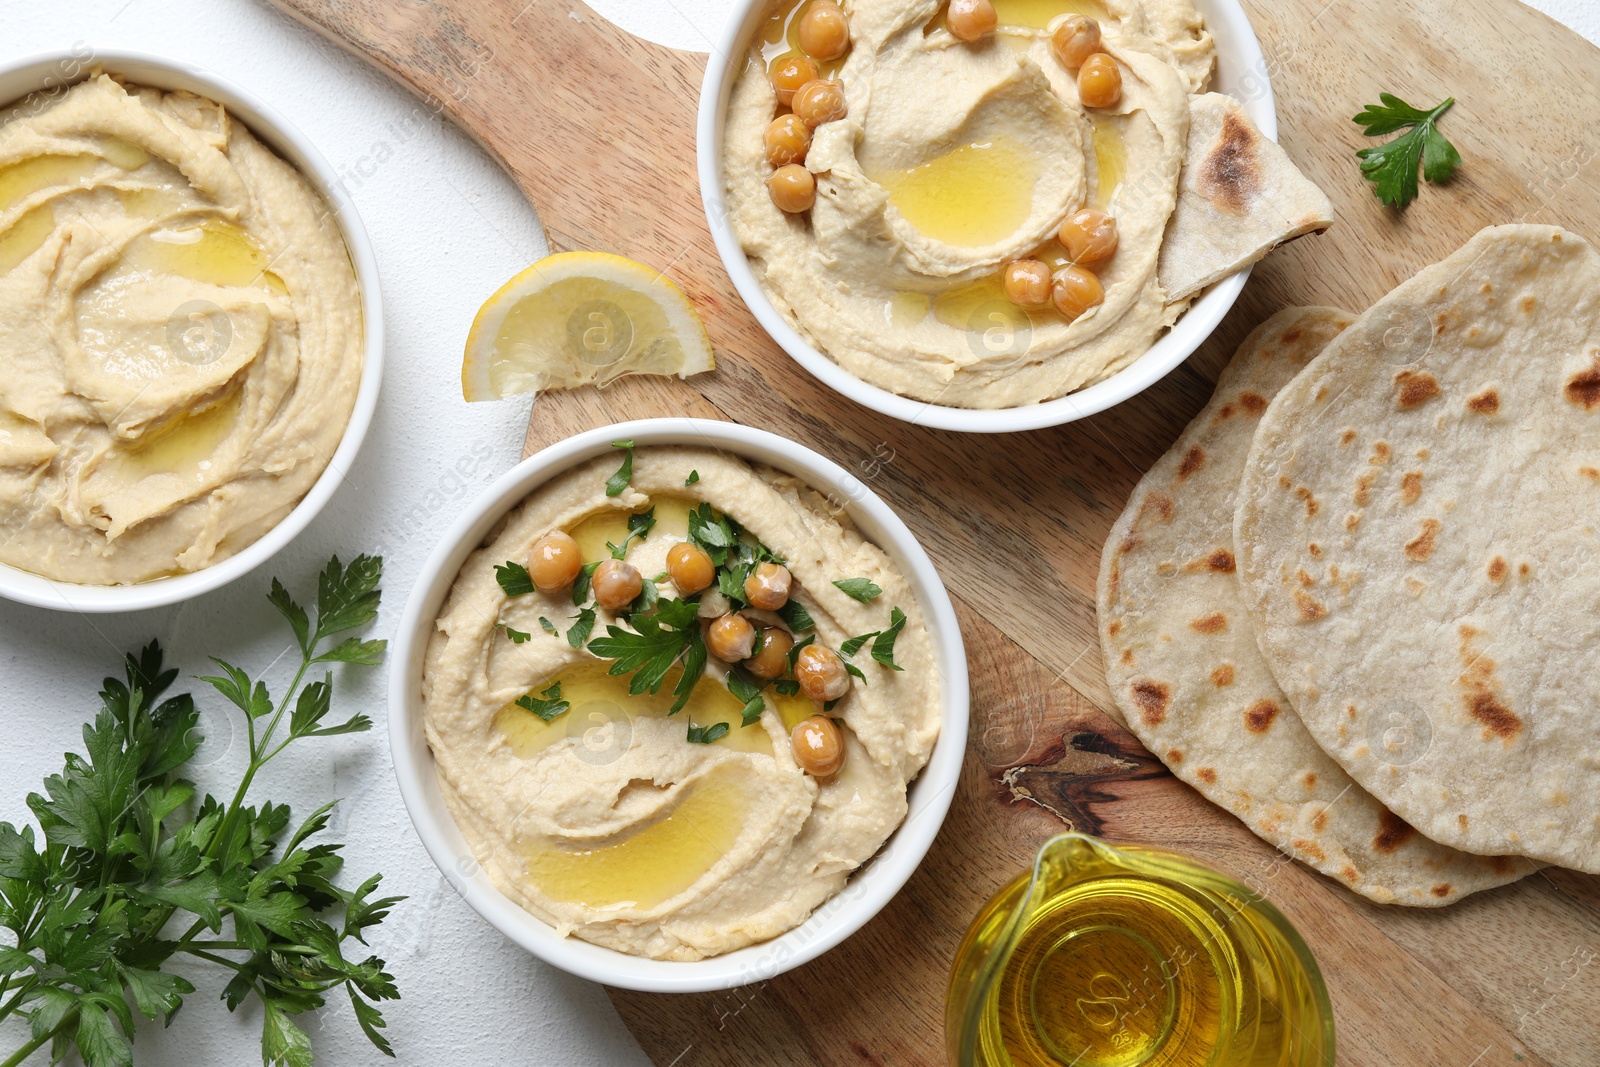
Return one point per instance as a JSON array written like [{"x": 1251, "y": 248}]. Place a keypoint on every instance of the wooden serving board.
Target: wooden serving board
[{"x": 597, "y": 126}]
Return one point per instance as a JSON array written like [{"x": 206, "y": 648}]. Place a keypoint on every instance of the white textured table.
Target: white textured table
[{"x": 448, "y": 228}]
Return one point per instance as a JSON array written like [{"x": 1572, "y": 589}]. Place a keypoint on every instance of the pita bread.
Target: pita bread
[
  {"x": 1239, "y": 197},
  {"x": 1182, "y": 660},
  {"x": 1419, "y": 545}
]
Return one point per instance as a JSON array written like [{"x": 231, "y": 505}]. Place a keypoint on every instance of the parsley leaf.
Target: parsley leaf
[
  {"x": 694, "y": 476},
  {"x": 581, "y": 628},
  {"x": 694, "y": 665},
  {"x": 747, "y": 691},
  {"x": 1392, "y": 166},
  {"x": 639, "y": 525},
  {"x": 581, "y": 584},
  {"x": 883, "y": 645},
  {"x": 519, "y": 636},
  {"x": 794, "y": 650},
  {"x": 547, "y": 705},
  {"x": 514, "y": 578},
  {"x": 547, "y": 626},
  {"x": 862, "y": 589},
  {"x": 704, "y": 735},
  {"x": 853, "y": 669},
  {"x": 619, "y": 481},
  {"x": 796, "y": 617},
  {"x": 787, "y": 687},
  {"x": 712, "y": 532},
  {"x": 852, "y": 645},
  {"x": 649, "y": 650}
]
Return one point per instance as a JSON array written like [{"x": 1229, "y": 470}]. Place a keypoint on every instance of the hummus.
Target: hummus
[
  {"x": 607, "y": 822},
  {"x": 181, "y": 330},
  {"x": 953, "y": 160}
]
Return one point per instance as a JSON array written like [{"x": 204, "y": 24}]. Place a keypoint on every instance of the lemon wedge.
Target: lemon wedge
[{"x": 581, "y": 318}]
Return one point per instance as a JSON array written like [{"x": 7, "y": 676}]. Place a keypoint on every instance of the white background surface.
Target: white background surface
[{"x": 448, "y": 228}]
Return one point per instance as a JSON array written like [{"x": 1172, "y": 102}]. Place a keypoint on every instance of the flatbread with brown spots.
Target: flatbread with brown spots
[
  {"x": 1419, "y": 545},
  {"x": 1239, "y": 197},
  {"x": 1182, "y": 660}
]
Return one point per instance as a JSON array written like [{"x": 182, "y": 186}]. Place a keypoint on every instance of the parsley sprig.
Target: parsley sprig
[
  {"x": 659, "y": 638},
  {"x": 1391, "y": 167},
  {"x": 126, "y": 847}
]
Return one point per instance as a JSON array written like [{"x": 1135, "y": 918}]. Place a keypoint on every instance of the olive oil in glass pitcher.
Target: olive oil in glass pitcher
[{"x": 1125, "y": 956}]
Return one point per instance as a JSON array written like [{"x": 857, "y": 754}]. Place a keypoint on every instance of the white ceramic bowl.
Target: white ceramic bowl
[
  {"x": 55, "y": 71},
  {"x": 1242, "y": 72},
  {"x": 868, "y": 890}
]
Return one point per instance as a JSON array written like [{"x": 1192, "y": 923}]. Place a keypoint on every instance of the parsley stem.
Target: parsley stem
[
  {"x": 214, "y": 958},
  {"x": 257, "y": 745},
  {"x": 67, "y": 1021},
  {"x": 11, "y": 1005}
]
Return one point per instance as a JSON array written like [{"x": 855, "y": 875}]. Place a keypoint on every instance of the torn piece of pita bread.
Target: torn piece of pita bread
[{"x": 1239, "y": 197}]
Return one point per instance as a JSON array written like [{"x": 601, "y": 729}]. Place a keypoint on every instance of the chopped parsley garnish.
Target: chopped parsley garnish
[
  {"x": 1391, "y": 167},
  {"x": 648, "y": 595},
  {"x": 883, "y": 644},
  {"x": 712, "y": 532},
  {"x": 580, "y": 585},
  {"x": 694, "y": 665},
  {"x": 582, "y": 626},
  {"x": 656, "y": 642},
  {"x": 794, "y": 650},
  {"x": 516, "y": 636},
  {"x": 786, "y": 687},
  {"x": 639, "y": 525},
  {"x": 862, "y": 589},
  {"x": 747, "y": 691},
  {"x": 514, "y": 578},
  {"x": 694, "y": 476},
  {"x": 546, "y": 625},
  {"x": 704, "y": 735},
  {"x": 796, "y": 617},
  {"x": 853, "y": 645},
  {"x": 619, "y": 481},
  {"x": 547, "y": 705},
  {"x": 853, "y": 669}
]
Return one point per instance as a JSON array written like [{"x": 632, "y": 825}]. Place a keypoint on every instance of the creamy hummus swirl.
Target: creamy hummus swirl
[
  {"x": 608, "y": 823},
  {"x": 181, "y": 328},
  {"x": 901, "y": 288}
]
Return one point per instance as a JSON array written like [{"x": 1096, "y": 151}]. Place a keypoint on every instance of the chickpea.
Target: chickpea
[
  {"x": 772, "y": 660},
  {"x": 788, "y": 73},
  {"x": 793, "y": 188},
  {"x": 1076, "y": 290},
  {"x": 787, "y": 140},
  {"x": 1089, "y": 237},
  {"x": 690, "y": 569},
  {"x": 819, "y": 101},
  {"x": 730, "y": 637},
  {"x": 818, "y": 746},
  {"x": 824, "y": 31},
  {"x": 1075, "y": 40},
  {"x": 1027, "y": 283},
  {"x": 821, "y": 673},
  {"x": 1099, "y": 81},
  {"x": 554, "y": 562},
  {"x": 971, "y": 20},
  {"x": 767, "y": 587},
  {"x": 616, "y": 584}
]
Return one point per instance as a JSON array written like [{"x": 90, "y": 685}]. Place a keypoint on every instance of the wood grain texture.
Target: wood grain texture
[{"x": 597, "y": 128}]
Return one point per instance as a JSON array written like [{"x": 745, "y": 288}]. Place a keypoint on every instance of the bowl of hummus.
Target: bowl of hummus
[
  {"x": 191, "y": 322},
  {"x": 993, "y": 215},
  {"x": 678, "y": 705}
]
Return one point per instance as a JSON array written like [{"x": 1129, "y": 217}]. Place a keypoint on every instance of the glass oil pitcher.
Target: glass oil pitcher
[{"x": 1125, "y": 956}]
